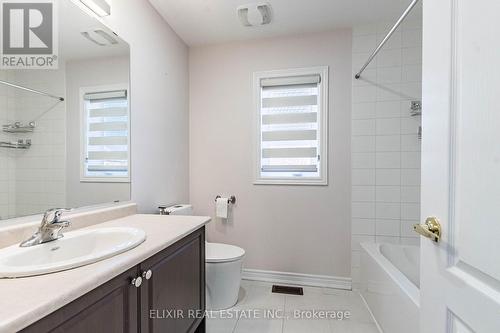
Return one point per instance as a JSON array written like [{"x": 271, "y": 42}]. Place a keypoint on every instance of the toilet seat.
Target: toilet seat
[{"x": 216, "y": 252}]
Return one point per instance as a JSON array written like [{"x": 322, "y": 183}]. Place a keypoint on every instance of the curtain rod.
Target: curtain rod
[
  {"x": 30, "y": 90},
  {"x": 386, "y": 38}
]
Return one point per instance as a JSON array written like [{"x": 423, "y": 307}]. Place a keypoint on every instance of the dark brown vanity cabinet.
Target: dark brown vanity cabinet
[{"x": 169, "y": 299}]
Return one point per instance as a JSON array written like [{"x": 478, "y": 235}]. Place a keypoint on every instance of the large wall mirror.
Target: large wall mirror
[{"x": 67, "y": 144}]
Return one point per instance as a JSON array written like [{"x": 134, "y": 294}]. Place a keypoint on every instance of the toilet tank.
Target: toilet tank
[{"x": 180, "y": 209}]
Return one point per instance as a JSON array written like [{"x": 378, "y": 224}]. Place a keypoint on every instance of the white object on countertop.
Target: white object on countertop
[{"x": 221, "y": 207}]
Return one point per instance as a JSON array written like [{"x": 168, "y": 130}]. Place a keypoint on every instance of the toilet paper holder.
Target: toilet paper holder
[{"x": 231, "y": 199}]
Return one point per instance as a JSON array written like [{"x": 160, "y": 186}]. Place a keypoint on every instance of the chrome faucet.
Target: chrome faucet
[{"x": 50, "y": 228}]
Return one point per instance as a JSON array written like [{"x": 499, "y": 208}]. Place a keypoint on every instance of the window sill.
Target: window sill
[
  {"x": 300, "y": 182},
  {"x": 104, "y": 180}
]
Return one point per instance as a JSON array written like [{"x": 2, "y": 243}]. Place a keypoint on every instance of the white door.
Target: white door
[{"x": 460, "y": 275}]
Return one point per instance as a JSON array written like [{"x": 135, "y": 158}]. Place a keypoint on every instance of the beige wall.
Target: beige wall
[
  {"x": 89, "y": 73},
  {"x": 159, "y": 104},
  {"x": 301, "y": 229}
]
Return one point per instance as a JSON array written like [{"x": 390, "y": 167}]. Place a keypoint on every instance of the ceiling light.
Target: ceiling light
[
  {"x": 100, "y": 7},
  {"x": 255, "y": 14},
  {"x": 99, "y": 36}
]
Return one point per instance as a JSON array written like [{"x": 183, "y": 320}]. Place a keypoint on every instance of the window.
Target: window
[
  {"x": 105, "y": 134},
  {"x": 292, "y": 118}
]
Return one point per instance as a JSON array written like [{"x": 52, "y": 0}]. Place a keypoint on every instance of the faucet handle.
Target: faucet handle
[{"x": 57, "y": 213}]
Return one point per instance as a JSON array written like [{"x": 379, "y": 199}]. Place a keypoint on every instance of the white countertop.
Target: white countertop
[{"x": 23, "y": 301}]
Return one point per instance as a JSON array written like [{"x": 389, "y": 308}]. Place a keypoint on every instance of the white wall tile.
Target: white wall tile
[
  {"x": 364, "y": 43},
  {"x": 388, "y": 177},
  {"x": 363, "y": 127},
  {"x": 389, "y": 58},
  {"x": 409, "y": 142},
  {"x": 395, "y": 42},
  {"x": 410, "y": 194},
  {"x": 363, "y": 193},
  {"x": 388, "y": 126},
  {"x": 389, "y": 92},
  {"x": 364, "y": 210},
  {"x": 388, "y": 75},
  {"x": 412, "y": 56},
  {"x": 359, "y": 59},
  {"x": 361, "y": 144},
  {"x": 410, "y": 125},
  {"x": 363, "y": 110},
  {"x": 361, "y": 94},
  {"x": 386, "y": 156},
  {"x": 388, "y": 160},
  {"x": 388, "y": 109},
  {"x": 363, "y": 160},
  {"x": 410, "y": 160},
  {"x": 411, "y": 73},
  {"x": 410, "y": 177},
  {"x": 387, "y": 227},
  {"x": 388, "y": 194},
  {"x": 388, "y": 143},
  {"x": 386, "y": 210},
  {"x": 363, "y": 177},
  {"x": 411, "y": 38},
  {"x": 410, "y": 211},
  {"x": 363, "y": 226}
]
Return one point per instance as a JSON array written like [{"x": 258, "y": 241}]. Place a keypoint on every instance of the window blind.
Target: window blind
[
  {"x": 289, "y": 126},
  {"x": 107, "y": 152}
]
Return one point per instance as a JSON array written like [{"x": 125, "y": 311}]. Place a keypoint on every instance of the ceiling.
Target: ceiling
[
  {"x": 72, "y": 45},
  {"x": 200, "y": 22}
]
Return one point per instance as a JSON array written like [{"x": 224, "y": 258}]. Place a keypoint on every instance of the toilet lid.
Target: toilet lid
[{"x": 216, "y": 252}]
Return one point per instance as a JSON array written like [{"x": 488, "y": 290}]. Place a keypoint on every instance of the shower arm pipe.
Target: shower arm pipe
[
  {"x": 31, "y": 90},
  {"x": 386, "y": 38}
]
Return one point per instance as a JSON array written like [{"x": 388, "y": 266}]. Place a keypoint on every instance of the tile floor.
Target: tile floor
[{"x": 257, "y": 306}]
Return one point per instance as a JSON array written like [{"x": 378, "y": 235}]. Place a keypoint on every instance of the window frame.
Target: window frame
[
  {"x": 323, "y": 110},
  {"x": 83, "y": 133}
]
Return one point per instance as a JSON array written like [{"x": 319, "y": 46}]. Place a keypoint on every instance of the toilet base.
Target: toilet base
[{"x": 223, "y": 281}]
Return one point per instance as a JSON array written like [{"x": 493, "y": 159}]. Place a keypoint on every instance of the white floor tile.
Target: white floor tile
[
  {"x": 258, "y": 296},
  {"x": 219, "y": 325},
  {"x": 259, "y": 325},
  {"x": 349, "y": 326},
  {"x": 306, "y": 326}
]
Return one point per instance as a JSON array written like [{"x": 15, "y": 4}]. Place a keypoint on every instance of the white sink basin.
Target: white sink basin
[{"x": 77, "y": 248}]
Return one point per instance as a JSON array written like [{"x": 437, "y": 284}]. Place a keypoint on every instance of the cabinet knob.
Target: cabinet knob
[
  {"x": 147, "y": 274},
  {"x": 136, "y": 282}
]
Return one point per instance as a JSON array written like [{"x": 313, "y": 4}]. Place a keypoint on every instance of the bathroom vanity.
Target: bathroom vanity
[{"x": 159, "y": 286}]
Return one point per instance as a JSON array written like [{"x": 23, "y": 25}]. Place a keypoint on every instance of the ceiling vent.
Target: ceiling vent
[
  {"x": 100, "y": 37},
  {"x": 255, "y": 14}
]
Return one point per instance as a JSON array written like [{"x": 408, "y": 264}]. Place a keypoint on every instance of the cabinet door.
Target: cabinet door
[
  {"x": 111, "y": 307},
  {"x": 175, "y": 291}
]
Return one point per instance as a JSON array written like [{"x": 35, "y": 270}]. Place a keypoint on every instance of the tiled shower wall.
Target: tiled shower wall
[
  {"x": 32, "y": 180},
  {"x": 384, "y": 143}
]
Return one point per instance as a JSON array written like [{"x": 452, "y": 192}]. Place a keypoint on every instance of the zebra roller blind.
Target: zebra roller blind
[
  {"x": 106, "y": 139},
  {"x": 290, "y": 129}
]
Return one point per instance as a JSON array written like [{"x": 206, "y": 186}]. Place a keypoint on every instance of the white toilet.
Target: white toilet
[{"x": 223, "y": 264}]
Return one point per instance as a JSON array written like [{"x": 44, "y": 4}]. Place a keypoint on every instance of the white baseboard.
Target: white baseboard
[{"x": 297, "y": 279}]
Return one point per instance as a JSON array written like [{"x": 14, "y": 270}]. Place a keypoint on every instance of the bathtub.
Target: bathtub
[{"x": 389, "y": 283}]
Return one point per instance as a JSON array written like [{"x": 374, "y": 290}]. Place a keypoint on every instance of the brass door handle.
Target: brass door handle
[{"x": 430, "y": 229}]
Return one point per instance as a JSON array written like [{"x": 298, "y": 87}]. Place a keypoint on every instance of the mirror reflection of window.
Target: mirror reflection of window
[{"x": 105, "y": 128}]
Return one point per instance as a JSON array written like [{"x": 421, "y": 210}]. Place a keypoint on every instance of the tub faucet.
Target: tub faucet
[{"x": 50, "y": 228}]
